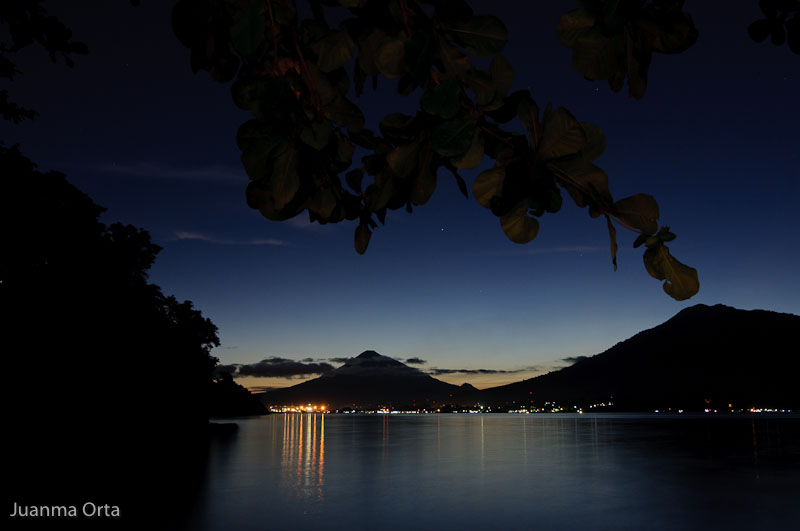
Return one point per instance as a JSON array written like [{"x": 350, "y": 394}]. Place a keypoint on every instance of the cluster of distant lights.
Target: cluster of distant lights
[{"x": 549, "y": 408}]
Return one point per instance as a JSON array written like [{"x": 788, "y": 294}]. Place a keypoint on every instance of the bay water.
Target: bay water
[{"x": 504, "y": 471}]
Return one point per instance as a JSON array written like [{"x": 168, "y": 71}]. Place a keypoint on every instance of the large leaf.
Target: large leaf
[
  {"x": 595, "y": 142},
  {"x": 482, "y": 35},
  {"x": 453, "y": 138},
  {"x": 362, "y": 236},
  {"x": 258, "y": 143},
  {"x": 322, "y": 203},
  {"x": 335, "y": 50},
  {"x": 474, "y": 156},
  {"x": 487, "y": 185},
  {"x": 284, "y": 179},
  {"x": 403, "y": 159},
  {"x": 598, "y": 56},
  {"x": 518, "y": 225},
  {"x": 453, "y": 60},
  {"x": 443, "y": 100},
  {"x": 390, "y": 59},
  {"x": 572, "y": 26},
  {"x": 676, "y": 34},
  {"x": 585, "y": 182},
  {"x": 424, "y": 182},
  {"x": 562, "y": 135},
  {"x": 317, "y": 134},
  {"x": 247, "y": 31},
  {"x": 502, "y": 74},
  {"x": 639, "y": 211},
  {"x": 399, "y": 128},
  {"x": 681, "y": 281},
  {"x": 418, "y": 55},
  {"x": 346, "y": 113}
]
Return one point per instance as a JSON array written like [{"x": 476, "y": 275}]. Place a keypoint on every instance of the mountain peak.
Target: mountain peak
[{"x": 369, "y": 354}]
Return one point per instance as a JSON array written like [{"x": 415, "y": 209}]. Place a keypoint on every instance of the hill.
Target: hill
[
  {"x": 369, "y": 380},
  {"x": 703, "y": 357}
]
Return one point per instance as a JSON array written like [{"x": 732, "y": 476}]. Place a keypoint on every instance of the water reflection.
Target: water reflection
[
  {"x": 307, "y": 471},
  {"x": 303, "y": 455}
]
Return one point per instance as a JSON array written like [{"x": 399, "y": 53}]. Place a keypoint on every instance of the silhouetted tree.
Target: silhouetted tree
[
  {"x": 111, "y": 378},
  {"x": 229, "y": 399}
]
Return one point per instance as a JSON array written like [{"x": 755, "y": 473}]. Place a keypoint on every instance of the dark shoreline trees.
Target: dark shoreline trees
[{"x": 109, "y": 379}]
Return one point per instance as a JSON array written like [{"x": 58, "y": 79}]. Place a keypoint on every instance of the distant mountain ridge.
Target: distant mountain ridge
[
  {"x": 703, "y": 357},
  {"x": 369, "y": 380}
]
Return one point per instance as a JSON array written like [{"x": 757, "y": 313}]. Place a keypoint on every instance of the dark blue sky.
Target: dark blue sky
[{"x": 715, "y": 140}]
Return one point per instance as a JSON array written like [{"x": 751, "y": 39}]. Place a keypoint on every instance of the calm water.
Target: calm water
[{"x": 537, "y": 472}]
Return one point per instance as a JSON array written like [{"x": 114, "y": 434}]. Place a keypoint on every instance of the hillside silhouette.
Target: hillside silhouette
[
  {"x": 703, "y": 357},
  {"x": 369, "y": 380}
]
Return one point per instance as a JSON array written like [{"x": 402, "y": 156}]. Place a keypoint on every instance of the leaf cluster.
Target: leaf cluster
[
  {"x": 28, "y": 23},
  {"x": 616, "y": 39},
  {"x": 781, "y": 23},
  {"x": 295, "y": 78}
]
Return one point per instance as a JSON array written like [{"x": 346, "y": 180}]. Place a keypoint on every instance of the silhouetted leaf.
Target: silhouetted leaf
[
  {"x": 454, "y": 137},
  {"x": 247, "y": 31},
  {"x": 562, "y": 135},
  {"x": 595, "y": 142},
  {"x": 353, "y": 178},
  {"x": 418, "y": 55},
  {"x": 681, "y": 281},
  {"x": 482, "y": 35},
  {"x": 390, "y": 59},
  {"x": 502, "y": 74},
  {"x": 322, "y": 202},
  {"x": 424, "y": 182},
  {"x": 258, "y": 142},
  {"x": 345, "y": 113},
  {"x": 453, "y": 60},
  {"x": 335, "y": 50},
  {"x": 585, "y": 182},
  {"x": 403, "y": 159},
  {"x": 474, "y": 156},
  {"x": 284, "y": 179},
  {"x": 676, "y": 34},
  {"x": 362, "y": 236},
  {"x": 443, "y": 100},
  {"x": 612, "y": 236},
  {"x": 399, "y": 128},
  {"x": 485, "y": 92},
  {"x": 487, "y": 185},
  {"x": 518, "y": 225},
  {"x": 639, "y": 211},
  {"x": 317, "y": 134},
  {"x": 573, "y": 25}
]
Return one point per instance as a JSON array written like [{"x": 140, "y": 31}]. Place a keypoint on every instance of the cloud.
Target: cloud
[
  {"x": 199, "y": 236},
  {"x": 574, "y": 359},
  {"x": 161, "y": 171},
  {"x": 339, "y": 360},
  {"x": 416, "y": 361},
  {"x": 439, "y": 372},
  {"x": 275, "y": 367}
]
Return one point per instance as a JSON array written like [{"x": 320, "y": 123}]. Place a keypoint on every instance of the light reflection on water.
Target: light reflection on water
[{"x": 317, "y": 471}]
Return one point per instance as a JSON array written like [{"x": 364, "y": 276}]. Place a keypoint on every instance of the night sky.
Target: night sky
[{"x": 715, "y": 140}]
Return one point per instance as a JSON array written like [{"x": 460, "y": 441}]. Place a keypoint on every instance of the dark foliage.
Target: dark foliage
[
  {"x": 294, "y": 77},
  {"x": 781, "y": 23},
  {"x": 229, "y": 399},
  {"x": 109, "y": 379},
  {"x": 29, "y": 24}
]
